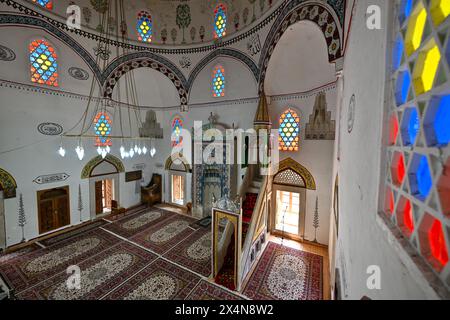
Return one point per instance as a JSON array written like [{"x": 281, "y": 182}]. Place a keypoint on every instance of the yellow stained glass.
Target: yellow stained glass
[
  {"x": 426, "y": 68},
  {"x": 416, "y": 26},
  {"x": 439, "y": 9}
]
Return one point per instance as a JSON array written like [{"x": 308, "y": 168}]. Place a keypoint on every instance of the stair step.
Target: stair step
[
  {"x": 256, "y": 183},
  {"x": 253, "y": 190}
]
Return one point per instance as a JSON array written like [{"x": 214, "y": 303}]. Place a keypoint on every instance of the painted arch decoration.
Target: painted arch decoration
[
  {"x": 133, "y": 61},
  {"x": 321, "y": 14},
  {"x": 87, "y": 170},
  {"x": 7, "y": 184},
  {"x": 180, "y": 159},
  {"x": 291, "y": 164}
]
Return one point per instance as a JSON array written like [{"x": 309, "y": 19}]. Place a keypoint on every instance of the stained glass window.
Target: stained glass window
[
  {"x": 177, "y": 126},
  {"x": 102, "y": 129},
  {"x": 289, "y": 131},
  {"x": 144, "y": 26},
  {"x": 417, "y": 189},
  {"x": 220, "y": 21},
  {"x": 45, "y": 3},
  {"x": 218, "y": 81},
  {"x": 43, "y": 63}
]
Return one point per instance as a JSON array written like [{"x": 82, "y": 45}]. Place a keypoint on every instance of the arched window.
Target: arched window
[
  {"x": 220, "y": 21},
  {"x": 102, "y": 127},
  {"x": 48, "y": 4},
  {"x": 289, "y": 131},
  {"x": 177, "y": 126},
  {"x": 218, "y": 81},
  {"x": 144, "y": 26},
  {"x": 43, "y": 63}
]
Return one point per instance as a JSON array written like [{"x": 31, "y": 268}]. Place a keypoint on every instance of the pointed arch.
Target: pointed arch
[
  {"x": 322, "y": 14},
  {"x": 291, "y": 164},
  {"x": 8, "y": 184},
  {"x": 171, "y": 161},
  {"x": 90, "y": 166}
]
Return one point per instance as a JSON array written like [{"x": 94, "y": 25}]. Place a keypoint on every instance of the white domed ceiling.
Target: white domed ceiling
[{"x": 174, "y": 22}]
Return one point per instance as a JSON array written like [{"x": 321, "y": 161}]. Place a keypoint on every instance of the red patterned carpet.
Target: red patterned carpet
[
  {"x": 207, "y": 291},
  {"x": 38, "y": 265},
  {"x": 162, "y": 237},
  {"x": 99, "y": 275},
  {"x": 286, "y": 274},
  {"x": 132, "y": 224},
  {"x": 225, "y": 277},
  {"x": 194, "y": 252},
  {"x": 159, "y": 281},
  {"x": 248, "y": 206}
]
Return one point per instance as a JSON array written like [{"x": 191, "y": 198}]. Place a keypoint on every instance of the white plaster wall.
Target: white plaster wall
[
  {"x": 361, "y": 241},
  {"x": 26, "y": 154},
  {"x": 314, "y": 155}
]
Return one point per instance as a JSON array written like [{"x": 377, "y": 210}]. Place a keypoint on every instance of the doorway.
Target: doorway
[
  {"x": 178, "y": 191},
  {"x": 288, "y": 218},
  {"x": 53, "y": 209},
  {"x": 287, "y": 215},
  {"x": 104, "y": 195},
  {"x": 2, "y": 222}
]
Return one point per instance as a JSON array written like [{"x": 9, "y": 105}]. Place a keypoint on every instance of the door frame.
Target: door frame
[
  {"x": 184, "y": 175},
  {"x": 115, "y": 177},
  {"x": 38, "y": 193},
  {"x": 2, "y": 221},
  {"x": 302, "y": 213}
]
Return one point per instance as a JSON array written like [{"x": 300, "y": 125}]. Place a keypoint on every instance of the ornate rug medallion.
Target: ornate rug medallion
[
  {"x": 99, "y": 275},
  {"x": 131, "y": 225},
  {"x": 34, "y": 267},
  {"x": 286, "y": 274},
  {"x": 161, "y": 280},
  {"x": 163, "y": 236}
]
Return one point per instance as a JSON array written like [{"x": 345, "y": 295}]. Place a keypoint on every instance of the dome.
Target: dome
[{"x": 174, "y": 22}]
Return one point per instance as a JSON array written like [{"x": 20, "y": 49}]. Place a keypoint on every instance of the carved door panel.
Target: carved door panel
[
  {"x": 46, "y": 219},
  {"x": 63, "y": 212},
  {"x": 54, "y": 209},
  {"x": 99, "y": 197},
  {"x": 108, "y": 193}
]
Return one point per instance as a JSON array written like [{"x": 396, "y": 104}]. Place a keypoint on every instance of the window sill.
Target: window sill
[{"x": 417, "y": 267}]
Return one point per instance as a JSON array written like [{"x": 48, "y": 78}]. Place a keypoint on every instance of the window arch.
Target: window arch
[
  {"x": 220, "y": 21},
  {"x": 218, "y": 81},
  {"x": 103, "y": 128},
  {"x": 177, "y": 126},
  {"x": 289, "y": 131},
  {"x": 144, "y": 26},
  {"x": 48, "y": 4},
  {"x": 43, "y": 63}
]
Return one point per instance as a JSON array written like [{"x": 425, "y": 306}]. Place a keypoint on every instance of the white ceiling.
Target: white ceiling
[{"x": 300, "y": 61}]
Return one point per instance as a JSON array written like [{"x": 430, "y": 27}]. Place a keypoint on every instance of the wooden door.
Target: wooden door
[
  {"x": 54, "y": 209},
  {"x": 99, "y": 197},
  {"x": 108, "y": 193}
]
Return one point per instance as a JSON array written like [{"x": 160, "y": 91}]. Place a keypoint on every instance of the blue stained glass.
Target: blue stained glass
[
  {"x": 397, "y": 53},
  {"x": 405, "y": 10},
  {"x": 410, "y": 126},
  {"x": 420, "y": 177},
  {"x": 437, "y": 122},
  {"x": 402, "y": 87}
]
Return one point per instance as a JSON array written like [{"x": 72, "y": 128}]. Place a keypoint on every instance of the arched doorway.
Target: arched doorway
[
  {"x": 8, "y": 188},
  {"x": 289, "y": 191},
  {"x": 103, "y": 175},
  {"x": 179, "y": 172}
]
